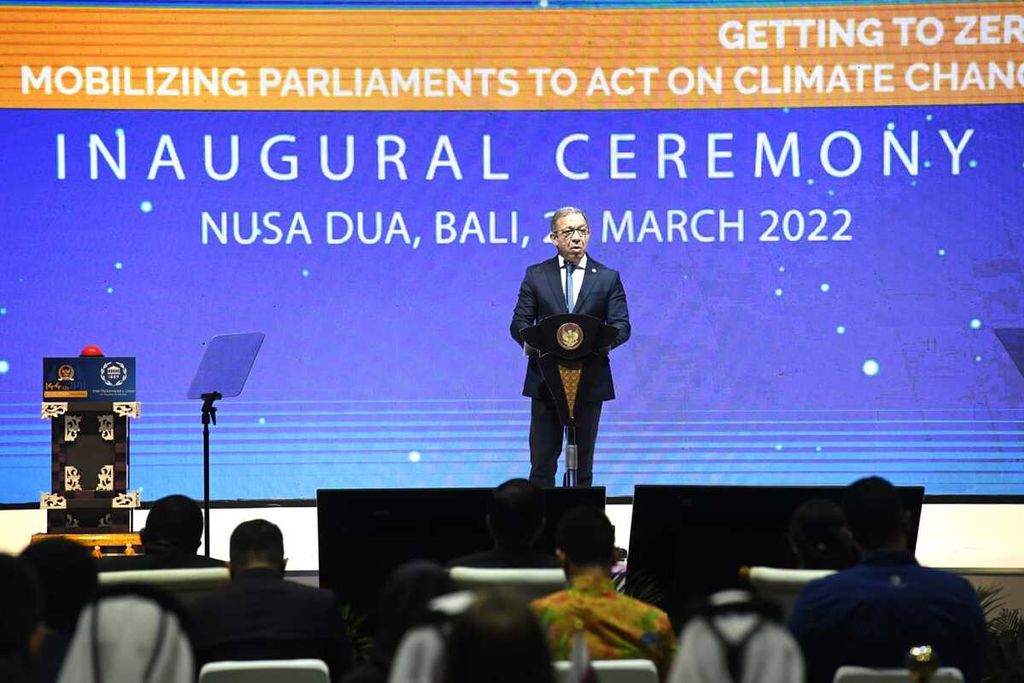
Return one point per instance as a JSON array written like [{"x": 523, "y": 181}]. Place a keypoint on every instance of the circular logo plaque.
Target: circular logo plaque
[
  {"x": 569, "y": 336},
  {"x": 113, "y": 373}
]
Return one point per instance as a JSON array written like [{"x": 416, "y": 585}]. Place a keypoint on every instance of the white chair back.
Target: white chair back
[
  {"x": 533, "y": 583},
  {"x": 781, "y": 586},
  {"x": 184, "y": 584},
  {"x": 614, "y": 671},
  {"x": 266, "y": 671},
  {"x": 861, "y": 674}
]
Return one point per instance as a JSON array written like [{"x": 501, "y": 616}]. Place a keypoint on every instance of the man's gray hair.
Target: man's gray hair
[{"x": 567, "y": 211}]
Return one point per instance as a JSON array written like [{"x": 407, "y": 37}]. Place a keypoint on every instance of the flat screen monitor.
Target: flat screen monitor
[
  {"x": 689, "y": 541},
  {"x": 365, "y": 533}
]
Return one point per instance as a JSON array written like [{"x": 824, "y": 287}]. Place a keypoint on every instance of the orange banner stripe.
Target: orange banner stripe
[{"x": 46, "y": 55}]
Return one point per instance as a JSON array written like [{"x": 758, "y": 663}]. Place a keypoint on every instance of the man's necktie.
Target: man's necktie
[{"x": 568, "y": 286}]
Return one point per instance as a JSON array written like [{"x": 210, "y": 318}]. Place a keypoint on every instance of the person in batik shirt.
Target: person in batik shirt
[{"x": 614, "y": 626}]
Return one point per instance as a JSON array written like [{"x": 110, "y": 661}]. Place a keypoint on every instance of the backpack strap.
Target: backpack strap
[
  {"x": 765, "y": 613},
  {"x": 734, "y": 650}
]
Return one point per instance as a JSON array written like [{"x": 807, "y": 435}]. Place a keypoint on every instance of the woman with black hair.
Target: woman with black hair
[
  {"x": 820, "y": 538},
  {"x": 21, "y": 619},
  {"x": 404, "y": 605},
  {"x": 497, "y": 640}
]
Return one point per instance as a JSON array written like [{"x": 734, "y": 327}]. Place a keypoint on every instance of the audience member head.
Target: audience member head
[
  {"x": 585, "y": 539},
  {"x": 21, "y": 616},
  {"x": 174, "y": 524},
  {"x": 403, "y": 604},
  {"x": 515, "y": 515},
  {"x": 819, "y": 536},
  {"x": 130, "y": 634},
  {"x": 874, "y": 513},
  {"x": 67, "y": 576},
  {"x": 497, "y": 640},
  {"x": 257, "y": 544}
]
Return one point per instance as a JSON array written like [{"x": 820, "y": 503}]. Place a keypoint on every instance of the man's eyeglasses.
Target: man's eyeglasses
[{"x": 566, "y": 234}]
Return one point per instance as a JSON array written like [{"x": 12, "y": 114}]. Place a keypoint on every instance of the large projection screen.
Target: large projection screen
[{"x": 816, "y": 211}]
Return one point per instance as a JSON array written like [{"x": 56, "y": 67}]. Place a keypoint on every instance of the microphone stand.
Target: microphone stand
[
  {"x": 209, "y": 415},
  {"x": 569, "y": 480}
]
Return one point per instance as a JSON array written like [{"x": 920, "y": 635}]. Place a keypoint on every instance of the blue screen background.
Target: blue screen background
[{"x": 751, "y": 362}]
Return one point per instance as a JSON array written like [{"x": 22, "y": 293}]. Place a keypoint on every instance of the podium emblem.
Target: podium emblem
[
  {"x": 65, "y": 373},
  {"x": 113, "y": 373},
  {"x": 569, "y": 336}
]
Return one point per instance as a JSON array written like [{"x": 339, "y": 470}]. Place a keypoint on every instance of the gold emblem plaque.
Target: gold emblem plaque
[{"x": 569, "y": 336}]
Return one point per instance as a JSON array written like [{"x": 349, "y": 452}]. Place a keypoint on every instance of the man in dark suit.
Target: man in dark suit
[
  {"x": 593, "y": 290},
  {"x": 515, "y": 518},
  {"x": 170, "y": 539},
  {"x": 260, "y": 615}
]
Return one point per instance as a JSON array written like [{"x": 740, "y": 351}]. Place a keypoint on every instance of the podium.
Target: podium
[
  {"x": 566, "y": 343},
  {"x": 90, "y": 402}
]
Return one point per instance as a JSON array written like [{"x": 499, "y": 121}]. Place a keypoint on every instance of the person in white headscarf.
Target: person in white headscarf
[
  {"x": 128, "y": 639},
  {"x": 736, "y": 640}
]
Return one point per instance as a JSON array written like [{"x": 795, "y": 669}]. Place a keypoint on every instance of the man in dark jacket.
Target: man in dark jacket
[
  {"x": 173, "y": 532},
  {"x": 872, "y": 613},
  {"x": 260, "y": 615},
  {"x": 570, "y": 282},
  {"x": 515, "y": 518}
]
